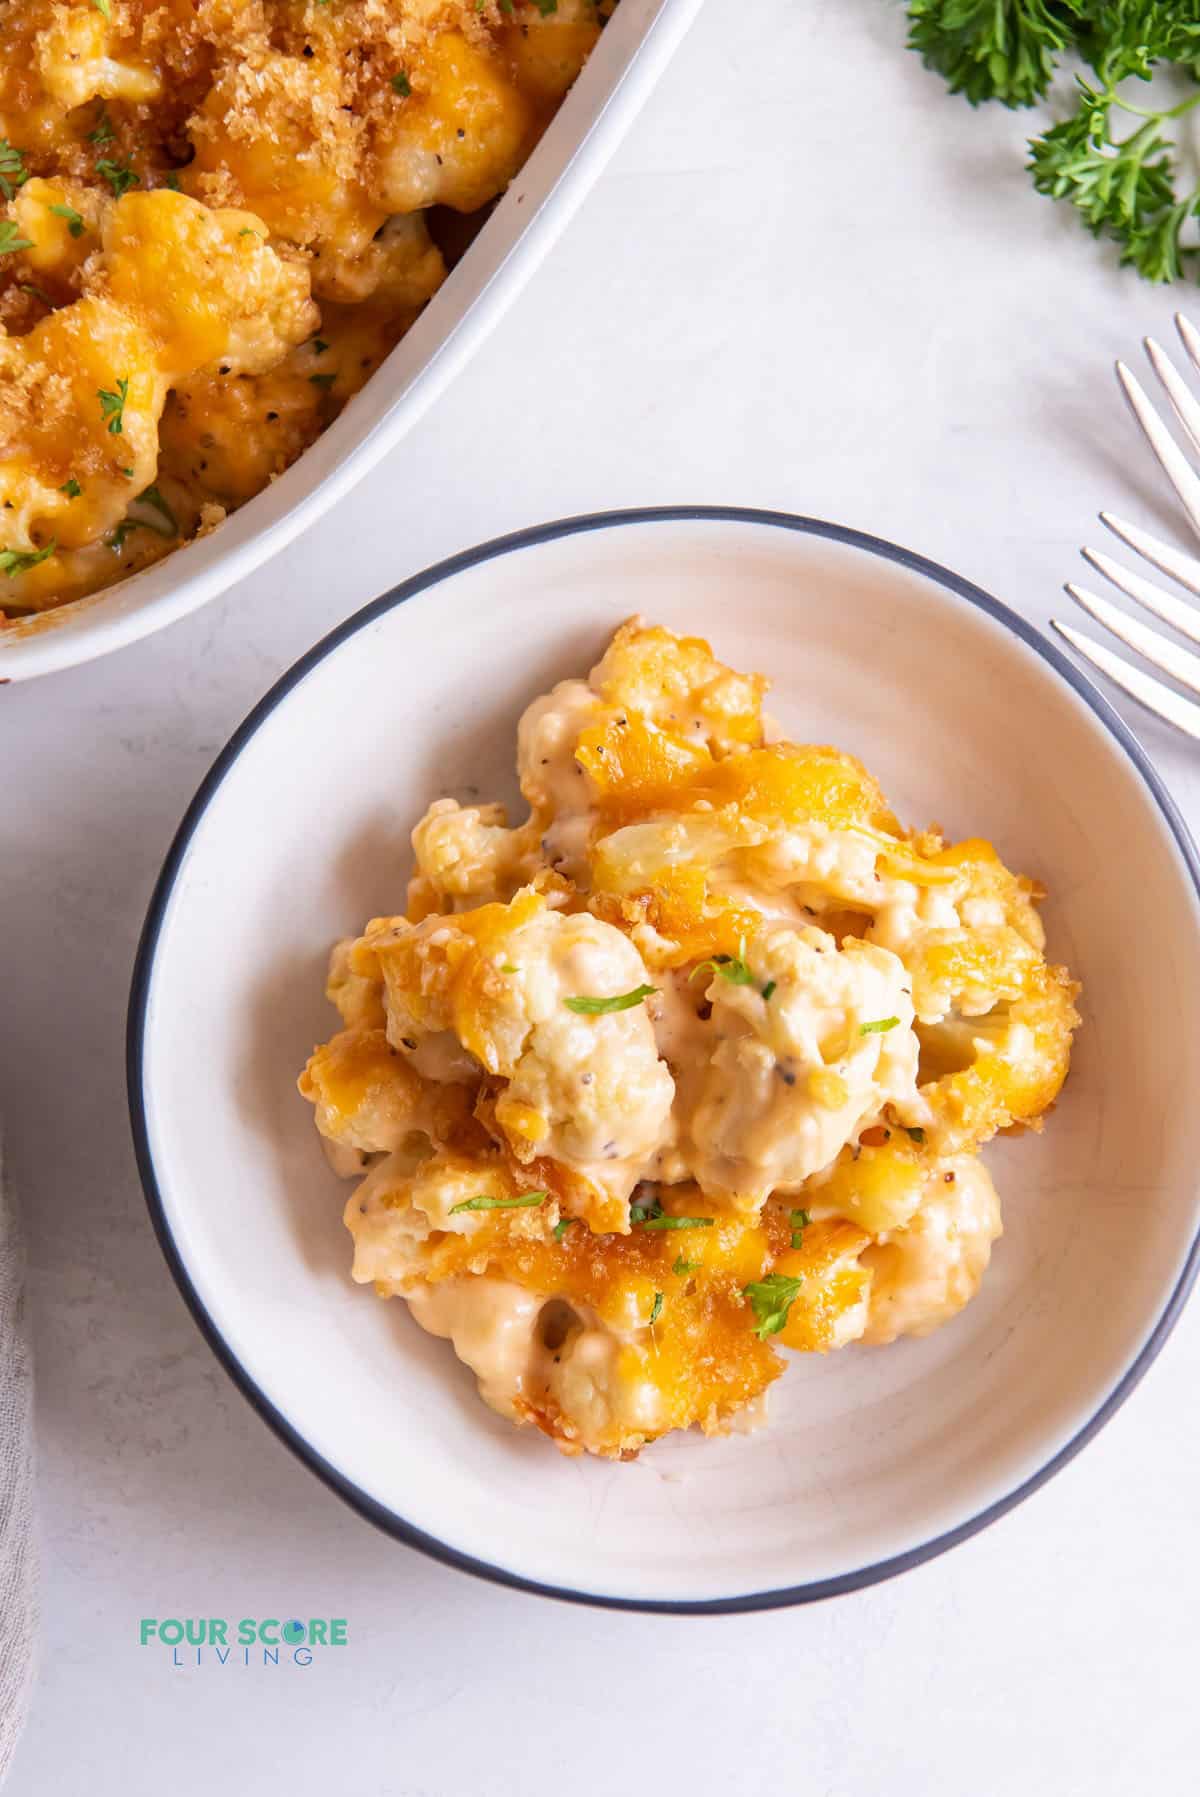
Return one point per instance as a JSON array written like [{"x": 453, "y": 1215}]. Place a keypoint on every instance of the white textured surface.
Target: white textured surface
[
  {"x": 809, "y": 281},
  {"x": 18, "y": 1532}
]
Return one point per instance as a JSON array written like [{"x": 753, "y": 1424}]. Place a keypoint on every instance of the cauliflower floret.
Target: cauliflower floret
[
  {"x": 61, "y": 220},
  {"x": 926, "y": 1272},
  {"x": 368, "y": 1097},
  {"x": 400, "y": 269},
  {"x": 357, "y": 993},
  {"x": 552, "y": 780},
  {"x": 543, "y": 1361},
  {"x": 494, "y": 991},
  {"x": 205, "y": 285},
  {"x": 812, "y": 1041},
  {"x": 402, "y": 1213},
  {"x": 75, "y": 64},
  {"x": 493, "y": 1326},
  {"x": 548, "y": 50},
  {"x": 468, "y": 856},
  {"x": 456, "y": 137},
  {"x": 677, "y": 683},
  {"x": 1005, "y": 1067},
  {"x": 969, "y": 971},
  {"x": 80, "y": 398}
]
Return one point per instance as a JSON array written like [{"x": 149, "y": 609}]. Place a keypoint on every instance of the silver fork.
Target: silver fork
[{"x": 1180, "y": 664}]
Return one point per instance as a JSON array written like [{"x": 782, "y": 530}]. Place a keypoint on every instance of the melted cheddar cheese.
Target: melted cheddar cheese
[
  {"x": 216, "y": 220},
  {"x": 692, "y": 1065}
]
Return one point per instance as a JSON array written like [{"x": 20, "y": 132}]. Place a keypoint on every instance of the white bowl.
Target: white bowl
[
  {"x": 875, "y": 1458},
  {"x": 634, "y": 49}
]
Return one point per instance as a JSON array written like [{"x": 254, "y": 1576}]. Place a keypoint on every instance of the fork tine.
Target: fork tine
[
  {"x": 1143, "y": 687},
  {"x": 1179, "y": 613},
  {"x": 1186, "y": 409},
  {"x": 1189, "y": 336},
  {"x": 1171, "y": 458},
  {"x": 1180, "y": 664},
  {"x": 1176, "y": 562}
]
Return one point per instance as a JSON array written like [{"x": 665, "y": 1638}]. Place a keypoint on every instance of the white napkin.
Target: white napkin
[{"x": 18, "y": 1552}]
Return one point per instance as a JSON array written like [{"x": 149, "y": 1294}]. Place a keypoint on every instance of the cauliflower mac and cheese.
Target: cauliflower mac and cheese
[
  {"x": 693, "y": 1065},
  {"x": 214, "y": 225}
]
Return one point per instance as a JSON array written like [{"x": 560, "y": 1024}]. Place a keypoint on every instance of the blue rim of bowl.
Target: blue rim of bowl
[{"x": 366, "y": 1506}]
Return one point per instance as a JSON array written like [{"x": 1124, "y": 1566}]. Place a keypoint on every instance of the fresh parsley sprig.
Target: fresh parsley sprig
[
  {"x": 16, "y": 561},
  {"x": 1113, "y": 158},
  {"x": 771, "y": 1299},
  {"x": 732, "y": 968},
  {"x": 74, "y": 219},
  {"x": 483, "y": 1202},
  {"x": 604, "y": 1007},
  {"x": 664, "y": 1222},
  {"x": 112, "y": 406},
  {"x": 121, "y": 176},
  {"x": 11, "y": 239},
  {"x": 992, "y": 49},
  {"x": 13, "y": 173},
  {"x": 799, "y": 1220}
]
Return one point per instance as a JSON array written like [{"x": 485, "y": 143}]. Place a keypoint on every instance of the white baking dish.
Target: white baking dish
[{"x": 632, "y": 53}]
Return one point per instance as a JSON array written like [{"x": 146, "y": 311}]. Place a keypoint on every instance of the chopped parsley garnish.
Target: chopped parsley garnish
[
  {"x": 323, "y": 380},
  {"x": 546, "y": 7},
  {"x": 664, "y": 1222},
  {"x": 799, "y": 1220},
  {"x": 13, "y": 173},
  {"x": 508, "y": 967},
  {"x": 71, "y": 488},
  {"x": 602, "y": 1007},
  {"x": 112, "y": 407},
  {"x": 247, "y": 231},
  {"x": 482, "y": 1202},
  {"x": 402, "y": 84},
  {"x": 560, "y": 1229},
  {"x": 771, "y": 1299},
  {"x": 74, "y": 219},
  {"x": 645, "y": 1209},
  {"x": 37, "y": 292},
  {"x": 173, "y": 182},
  {"x": 120, "y": 176},
  {"x": 11, "y": 240},
  {"x": 656, "y": 1312},
  {"x": 104, "y": 133},
  {"x": 918, "y": 1135},
  {"x": 682, "y": 1267},
  {"x": 116, "y": 541},
  {"x": 103, "y": 6},
  {"x": 506, "y": 7},
  {"x": 152, "y": 497},
  {"x": 880, "y": 1026},
  {"x": 15, "y": 561},
  {"x": 730, "y": 968}
]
